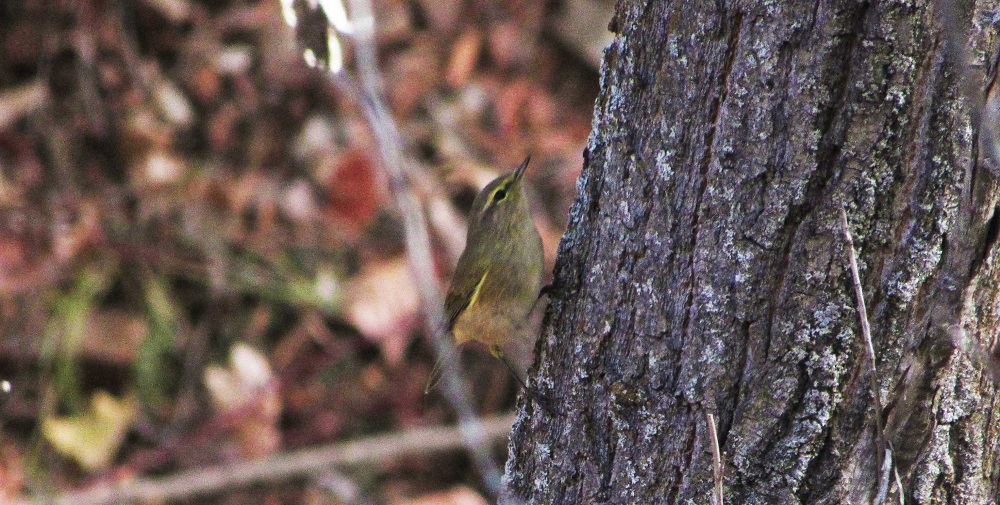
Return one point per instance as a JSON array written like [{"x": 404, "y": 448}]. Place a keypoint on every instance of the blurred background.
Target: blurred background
[{"x": 200, "y": 258}]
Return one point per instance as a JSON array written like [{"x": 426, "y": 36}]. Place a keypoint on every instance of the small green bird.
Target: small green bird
[{"x": 497, "y": 281}]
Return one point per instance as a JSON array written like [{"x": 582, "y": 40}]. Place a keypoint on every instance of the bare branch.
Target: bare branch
[{"x": 283, "y": 466}]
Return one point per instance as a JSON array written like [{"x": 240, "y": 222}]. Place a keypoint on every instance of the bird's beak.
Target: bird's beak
[{"x": 520, "y": 170}]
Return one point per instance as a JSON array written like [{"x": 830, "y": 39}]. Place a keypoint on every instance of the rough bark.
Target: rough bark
[{"x": 704, "y": 269}]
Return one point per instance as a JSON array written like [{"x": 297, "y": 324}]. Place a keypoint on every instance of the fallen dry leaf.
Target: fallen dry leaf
[
  {"x": 11, "y": 471},
  {"x": 512, "y": 105},
  {"x": 19, "y": 101},
  {"x": 13, "y": 253},
  {"x": 510, "y": 44},
  {"x": 354, "y": 193},
  {"x": 383, "y": 304},
  {"x": 246, "y": 393},
  {"x": 414, "y": 73},
  {"x": 93, "y": 437},
  {"x": 464, "y": 56}
]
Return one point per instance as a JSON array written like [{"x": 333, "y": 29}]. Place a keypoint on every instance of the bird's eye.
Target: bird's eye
[{"x": 499, "y": 195}]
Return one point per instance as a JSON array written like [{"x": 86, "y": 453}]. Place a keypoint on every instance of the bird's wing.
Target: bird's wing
[{"x": 461, "y": 294}]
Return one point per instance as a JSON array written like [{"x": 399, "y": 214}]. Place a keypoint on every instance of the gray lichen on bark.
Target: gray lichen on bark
[{"x": 704, "y": 269}]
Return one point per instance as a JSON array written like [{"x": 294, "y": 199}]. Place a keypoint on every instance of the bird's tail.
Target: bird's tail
[{"x": 436, "y": 373}]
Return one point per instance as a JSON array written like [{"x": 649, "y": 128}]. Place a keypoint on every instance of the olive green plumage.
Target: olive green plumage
[{"x": 499, "y": 275}]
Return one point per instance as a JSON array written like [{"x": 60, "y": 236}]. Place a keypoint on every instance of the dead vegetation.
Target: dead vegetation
[{"x": 199, "y": 259}]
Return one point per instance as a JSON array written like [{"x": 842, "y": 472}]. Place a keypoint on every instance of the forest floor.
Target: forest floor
[{"x": 200, "y": 259}]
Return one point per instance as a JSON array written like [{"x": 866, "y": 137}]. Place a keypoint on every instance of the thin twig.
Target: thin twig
[
  {"x": 717, "y": 498},
  {"x": 283, "y": 466},
  {"x": 359, "y": 27},
  {"x": 866, "y": 331},
  {"x": 418, "y": 248},
  {"x": 876, "y": 391}
]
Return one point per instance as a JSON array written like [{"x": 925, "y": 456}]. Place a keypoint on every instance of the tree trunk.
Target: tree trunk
[{"x": 705, "y": 269}]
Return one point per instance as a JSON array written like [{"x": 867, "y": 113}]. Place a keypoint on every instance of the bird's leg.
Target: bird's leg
[
  {"x": 547, "y": 289},
  {"x": 513, "y": 371},
  {"x": 495, "y": 351}
]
